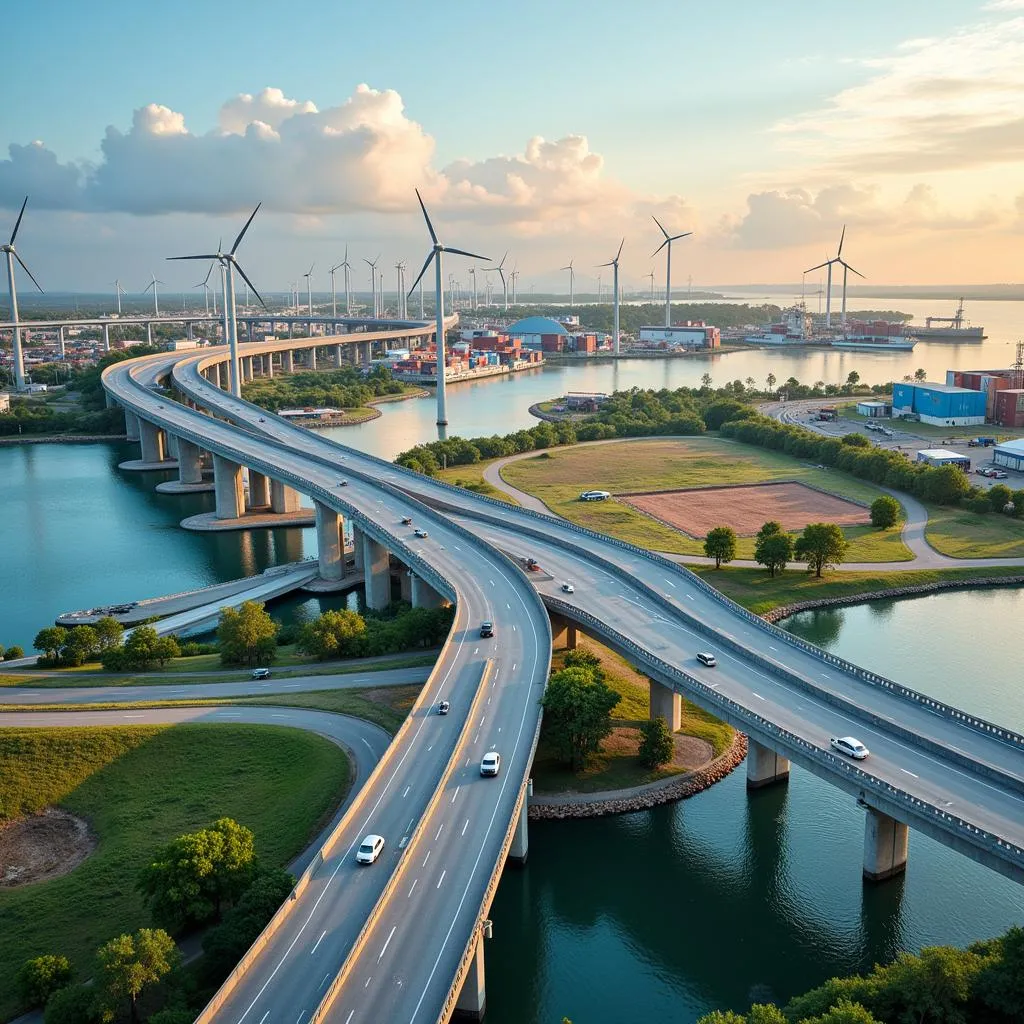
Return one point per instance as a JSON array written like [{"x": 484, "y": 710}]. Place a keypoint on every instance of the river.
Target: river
[{"x": 661, "y": 915}]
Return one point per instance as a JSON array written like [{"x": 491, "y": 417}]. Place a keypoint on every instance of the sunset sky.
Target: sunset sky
[{"x": 546, "y": 129}]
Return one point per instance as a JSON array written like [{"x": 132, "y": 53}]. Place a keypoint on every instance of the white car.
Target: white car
[
  {"x": 420, "y": 533},
  {"x": 491, "y": 763},
  {"x": 850, "y": 747},
  {"x": 369, "y": 849},
  {"x": 707, "y": 658},
  {"x": 261, "y": 673},
  {"x": 595, "y": 495},
  {"x": 568, "y": 588}
]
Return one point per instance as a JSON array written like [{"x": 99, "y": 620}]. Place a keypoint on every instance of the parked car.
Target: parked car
[
  {"x": 849, "y": 746},
  {"x": 369, "y": 849},
  {"x": 420, "y": 533},
  {"x": 985, "y": 471},
  {"x": 486, "y": 629},
  {"x": 491, "y": 763},
  {"x": 261, "y": 673},
  {"x": 595, "y": 495},
  {"x": 707, "y": 658},
  {"x": 568, "y": 588},
  {"x": 998, "y": 474},
  {"x": 443, "y": 707}
]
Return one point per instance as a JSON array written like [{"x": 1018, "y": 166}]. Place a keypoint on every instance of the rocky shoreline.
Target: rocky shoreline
[{"x": 641, "y": 798}]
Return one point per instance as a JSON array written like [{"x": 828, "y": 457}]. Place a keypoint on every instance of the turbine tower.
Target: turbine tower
[
  {"x": 373, "y": 283},
  {"x": 514, "y": 277},
  {"x": 229, "y": 264},
  {"x": 838, "y": 258},
  {"x": 614, "y": 264},
  {"x": 334, "y": 291},
  {"x": 403, "y": 308},
  {"x": 436, "y": 251},
  {"x": 572, "y": 284},
  {"x": 348, "y": 277},
  {"x": 156, "y": 298},
  {"x": 12, "y": 255},
  {"x": 118, "y": 292},
  {"x": 500, "y": 271},
  {"x": 308, "y": 275},
  {"x": 472, "y": 271},
  {"x": 206, "y": 291},
  {"x": 669, "y": 239},
  {"x": 651, "y": 276}
]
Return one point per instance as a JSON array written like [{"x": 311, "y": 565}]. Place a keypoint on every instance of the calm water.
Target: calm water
[{"x": 660, "y": 915}]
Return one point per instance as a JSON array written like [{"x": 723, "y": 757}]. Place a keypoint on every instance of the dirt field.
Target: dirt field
[
  {"x": 42, "y": 846},
  {"x": 746, "y": 508}
]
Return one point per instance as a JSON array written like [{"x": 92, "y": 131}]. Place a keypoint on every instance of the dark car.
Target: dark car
[
  {"x": 486, "y": 629},
  {"x": 443, "y": 707}
]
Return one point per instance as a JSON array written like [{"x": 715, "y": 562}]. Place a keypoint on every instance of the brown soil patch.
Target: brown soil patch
[
  {"x": 696, "y": 511},
  {"x": 691, "y": 753},
  {"x": 42, "y": 846}
]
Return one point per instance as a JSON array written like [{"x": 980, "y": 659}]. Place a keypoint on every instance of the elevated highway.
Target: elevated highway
[{"x": 932, "y": 766}]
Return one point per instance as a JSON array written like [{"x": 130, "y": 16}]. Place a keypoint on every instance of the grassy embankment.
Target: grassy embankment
[
  {"x": 171, "y": 674},
  {"x": 472, "y": 478},
  {"x": 616, "y": 765},
  {"x": 558, "y": 476},
  {"x": 960, "y": 533},
  {"x": 138, "y": 787}
]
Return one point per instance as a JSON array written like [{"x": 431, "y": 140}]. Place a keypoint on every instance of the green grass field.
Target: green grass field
[
  {"x": 138, "y": 787},
  {"x": 472, "y": 478},
  {"x": 960, "y": 533},
  {"x": 557, "y": 477}
]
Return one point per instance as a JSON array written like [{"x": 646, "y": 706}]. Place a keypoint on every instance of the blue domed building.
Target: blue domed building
[{"x": 539, "y": 333}]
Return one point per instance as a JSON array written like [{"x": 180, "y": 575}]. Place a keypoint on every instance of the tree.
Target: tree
[
  {"x": 79, "y": 647},
  {"x": 1000, "y": 982},
  {"x": 577, "y": 713},
  {"x": 50, "y": 641},
  {"x": 720, "y": 544},
  {"x": 885, "y": 512},
  {"x": 705, "y": 381},
  {"x": 109, "y": 633},
  {"x": 844, "y": 1012},
  {"x": 999, "y": 495},
  {"x": 773, "y": 550},
  {"x": 945, "y": 485},
  {"x": 75, "y": 1004},
  {"x": 247, "y": 635},
  {"x": 12, "y": 652},
  {"x": 40, "y": 977},
  {"x": 920, "y": 374},
  {"x": 821, "y": 545},
  {"x": 128, "y": 963},
  {"x": 138, "y": 648},
  {"x": 656, "y": 743},
  {"x": 164, "y": 649},
  {"x": 334, "y": 634},
  {"x": 855, "y": 441},
  {"x": 189, "y": 880},
  {"x": 853, "y": 378}
]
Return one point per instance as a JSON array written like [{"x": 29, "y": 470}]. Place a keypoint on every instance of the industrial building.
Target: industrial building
[
  {"x": 691, "y": 334},
  {"x": 942, "y": 405},
  {"x": 944, "y": 457},
  {"x": 1009, "y": 455},
  {"x": 538, "y": 332},
  {"x": 991, "y": 382},
  {"x": 874, "y": 409}
]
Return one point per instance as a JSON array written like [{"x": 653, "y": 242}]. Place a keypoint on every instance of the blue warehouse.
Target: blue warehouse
[{"x": 940, "y": 404}]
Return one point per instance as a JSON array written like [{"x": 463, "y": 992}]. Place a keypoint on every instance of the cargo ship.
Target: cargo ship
[
  {"x": 873, "y": 343},
  {"x": 796, "y": 327},
  {"x": 949, "y": 328}
]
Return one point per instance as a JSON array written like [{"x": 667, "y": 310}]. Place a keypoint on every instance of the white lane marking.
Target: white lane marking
[
  {"x": 264, "y": 1017},
  {"x": 911, "y": 774},
  {"x": 131, "y": 716},
  {"x": 757, "y": 695},
  {"x": 466, "y": 765},
  {"x": 348, "y": 1019},
  {"x": 425, "y": 859},
  {"x": 770, "y": 648},
  {"x": 499, "y": 728},
  {"x": 475, "y": 738},
  {"x": 456, "y": 546},
  {"x": 366, "y": 984},
  {"x": 491, "y": 582},
  {"x": 391, "y": 935},
  {"x": 440, "y": 880},
  {"x": 431, "y": 747},
  {"x": 454, "y": 795},
  {"x": 406, "y": 793},
  {"x": 508, "y": 606},
  {"x": 476, "y": 650},
  {"x": 438, "y": 836},
  {"x": 302, "y": 1013},
  {"x": 367, "y": 742},
  {"x": 318, "y": 941},
  {"x": 464, "y": 827},
  {"x": 411, "y": 887},
  {"x": 826, "y": 675},
  {"x": 690, "y": 596},
  {"x": 280, "y": 716},
  {"x": 483, "y": 719},
  {"x": 514, "y": 630}
]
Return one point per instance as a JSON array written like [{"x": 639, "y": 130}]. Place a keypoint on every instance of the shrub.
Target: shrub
[
  {"x": 75, "y": 1004},
  {"x": 885, "y": 512},
  {"x": 656, "y": 745},
  {"x": 13, "y": 652},
  {"x": 979, "y": 505},
  {"x": 40, "y": 977}
]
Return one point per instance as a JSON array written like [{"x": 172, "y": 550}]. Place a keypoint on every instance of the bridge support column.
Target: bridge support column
[
  {"x": 247, "y": 368},
  {"x": 60, "y": 342},
  {"x": 764, "y": 766},
  {"x": 521, "y": 838},
  {"x": 190, "y": 467},
  {"x": 337, "y": 356},
  {"x": 667, "y": 704},
  {"x": 885, "y": 846},
  {"x": 376, "y": 573},
  {"x": 268, "y": 364},
  {"x": 283, "y": 498},
  {"x": 170, "y": 445},
  {"x": 367, "y": 353},
  {"x": 287, "y": 362},
  {"x": 106, "y": 337},
  {"x": 329, "y": 545},
  {"x": 472, "y": 999},
  {"x": 223, "y": 376},
  {"x": 405, "y": 577},
  {"x": 227, "y": 481},
  {"x": 311, "y": 358},
  {"x": 149, "y": 333},
  {"x": 151, "y": 438},
  {"x": 259, "y": 491},
  {"x": 131, "y": 425},
  {"x": 563, "y": 633},
  {"x": 424, "y": 595},
  {"x": 108, "y": 400}
]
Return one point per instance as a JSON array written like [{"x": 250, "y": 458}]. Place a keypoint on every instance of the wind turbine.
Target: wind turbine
[
  {"x": 499, "y": 270},
  {"x": 229, "y": 264},
  {"x": 12, "y": 255},
  {"x": 308, "y": 275},
  {"x": 651, "y": 276},
  {"x": 206, "y": 291},
  {"x": 669, "y": 239},
  {"x": 598, "y": 289},
  {"x": 118, "y": 292},
  {"x": 436, "y": 252},
  {"x": 514, "y": 276},
  {"x": 838, "y": 258},
  {"x": 572, "y": 284},
  {"x": 334, "y": 291},
  {"x": 156, "y": 298},
  {"x": 402, "y": 306},
  {"x": 472, "y": 271},
  {"x": 614, "y": 264},
  {"x": 348, "y": 271},
  {"x": 373, "y": 283}
]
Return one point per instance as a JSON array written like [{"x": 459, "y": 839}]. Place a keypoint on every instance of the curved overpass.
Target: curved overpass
[{"x": 943, "y": 771}]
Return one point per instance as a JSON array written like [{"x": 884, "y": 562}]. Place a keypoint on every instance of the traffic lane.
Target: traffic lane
[{"x": 249, "y": 688}]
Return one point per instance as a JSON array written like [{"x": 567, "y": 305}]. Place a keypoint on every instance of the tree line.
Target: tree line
[{"x": 344, "y": 388}]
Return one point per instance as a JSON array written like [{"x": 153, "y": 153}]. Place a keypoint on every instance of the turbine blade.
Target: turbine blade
[
  {"x": 611, "y": 264},
  {"x": 462, "y": 252},
  {"x": 27, "y": 271},
  {"x": 309, "y": 272},
  {"x": 660, "y": 247},
  {"x": 202, "y": 256},
  {"x": 839, "y": 251},
  {"x": 246, "y": 279},
  {"x": 820, "y": 266},
  {"x": 683, "y": 235},
  {"x": 852, "y": 271},
  {"x": 241, "y": 234},
  {"x": 619, "y": 253},
  {"x": 426, "y": 217},
  {"x": 208, "y": 273},
  {"x": 17, "y": 223},
  {"x": 658, "y": 222},
  {"x": 426, "y": 263}
]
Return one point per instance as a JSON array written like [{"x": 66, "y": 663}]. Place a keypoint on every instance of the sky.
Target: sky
[{"x": 547, "y": 130}]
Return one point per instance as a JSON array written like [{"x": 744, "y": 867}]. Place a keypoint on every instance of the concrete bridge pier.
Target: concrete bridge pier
[
  {"x": 131, "y": 425},
  {"x": 149, "y": 333},
  {"x": 405, "y": 584},
  {"x": 106, "y": 337},
  {"x": 246, "y": 362},
  {"x": 283, "y": 498},
  {"x": 366, "y": 355},
  {"x": 190, "y": 464},
  {"x": 667, "y": 704},
  {"x": 376, "y": 572},
  {"x": 60, "y": 343},
  {"x": 337, "y": 356},
  {"x": 287, "y": 362},
  {"x": 151, "y": 438},
  {"x": 227, "y": 479},
  {"x": 268, "y": 365},
  {"x": 885, "y": 846},
  {"x": 171, "y": 445},
  {"x": 472, "y": 1001},
  {"x": 765, "y": 767},
  {"x": 563, "y": 633},
  {"x": 311, "y": 358},
  {"x": 520, "y": 847},
  {"x": 224, "y": 376},
  {"x": 259, "y": 491},
  {"x": 330, "y": 546},
  {"x": 425, "y": 596}
]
